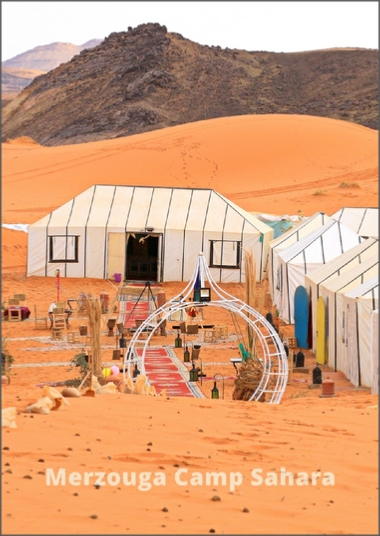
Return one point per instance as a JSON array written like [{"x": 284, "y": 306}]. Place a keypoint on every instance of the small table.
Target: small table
[{"x": 25, "y": 312}]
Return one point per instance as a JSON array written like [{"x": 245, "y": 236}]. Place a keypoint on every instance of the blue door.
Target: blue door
[{"x": 301, "y": 316}]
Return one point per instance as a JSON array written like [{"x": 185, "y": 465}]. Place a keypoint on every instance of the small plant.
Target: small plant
[
  {"x": 6, "y": 359},
  {"x": 79, "y": 360},
  {"x": 349, "y": 185},
  {"x": 319, "y": 192}
]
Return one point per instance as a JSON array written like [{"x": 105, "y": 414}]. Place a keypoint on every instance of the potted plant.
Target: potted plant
[
  {"x": 6, "y": 359},
  {"x": 79, "y": 360}
]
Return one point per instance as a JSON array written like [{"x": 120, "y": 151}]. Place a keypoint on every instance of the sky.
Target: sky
[{"x": 254, "y": 26}]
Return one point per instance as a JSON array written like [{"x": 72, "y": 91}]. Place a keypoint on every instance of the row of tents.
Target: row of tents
[
  {"x": 323, "y": 277},
  {"x": 125, "y": 232}
]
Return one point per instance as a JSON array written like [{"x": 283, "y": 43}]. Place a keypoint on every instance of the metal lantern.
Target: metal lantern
[
  {"x": 215, "y": 391},
  {"x": 136, "y": 371},
  {"x": 193, "y": 374},
  {"x": 186, "y": 355},
  {"x": 178, "y": 341},
  {"x": 317, "y": 375}
]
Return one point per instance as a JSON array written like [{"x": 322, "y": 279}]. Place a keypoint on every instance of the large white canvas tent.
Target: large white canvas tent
[
  {"x": 338, "y": 266},
  {"x": 375, "y": 351},
  {"x": 332, "y": 293},
  {"x": 363, "y": 221},
  {"x": 287, "y": 239},
  {"x": 146, "y": 233},
  {"x": 358, "y": 304},
  {"x": 307, "y": 255}
]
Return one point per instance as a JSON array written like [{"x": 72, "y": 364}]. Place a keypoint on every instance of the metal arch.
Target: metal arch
[{"x": 275, "y": 363}]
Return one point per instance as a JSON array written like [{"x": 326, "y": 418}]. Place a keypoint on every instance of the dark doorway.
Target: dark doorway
[{"x": 142, "y": 257}]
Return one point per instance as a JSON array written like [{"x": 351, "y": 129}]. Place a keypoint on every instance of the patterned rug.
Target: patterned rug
[{"x": 166, "y": 371}]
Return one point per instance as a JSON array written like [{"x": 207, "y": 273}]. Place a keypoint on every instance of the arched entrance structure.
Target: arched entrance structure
[{"x": 270, "y": 348}]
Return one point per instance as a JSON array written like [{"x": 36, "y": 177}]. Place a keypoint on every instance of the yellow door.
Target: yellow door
[{"x": 321, "y": 333}]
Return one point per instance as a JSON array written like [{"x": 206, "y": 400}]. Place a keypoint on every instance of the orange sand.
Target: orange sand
[{"x": 270, "y": 164}]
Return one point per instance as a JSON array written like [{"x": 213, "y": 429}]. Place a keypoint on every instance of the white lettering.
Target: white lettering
[
  {"x": 53, "y": 480},
  {"x": 302, "y": 479},
  {"x": 256, "y": 475},
  {"x": 86, "y": 478},
  {"x": 177, "y": 478},
  {"x": 129, "y": 481},
  {"x": 144, "y": 484},
  {"x": 113, "y": 479},
  {"x": 212, "y": 479},
  {"x": 99, "y": 480},
  {"x": 328, "y": 479},
  {"x": 235, "y": 480},
  {"x": 159, "y": 479},
  {"x": 75, "y": 478},
  {"x": 271, "y": 479},
  {"x": 196, "y": 479},
  {"x": 284, "y": 475}
]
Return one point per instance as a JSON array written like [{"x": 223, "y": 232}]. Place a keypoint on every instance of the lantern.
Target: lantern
[
  {"x": 193, "y": 374},
  {"x": 178, "y": 341},
  {"x": 186, "y": 355},
  {"x": 136, "y": 371},
  {"x": 215, "y": 391}
]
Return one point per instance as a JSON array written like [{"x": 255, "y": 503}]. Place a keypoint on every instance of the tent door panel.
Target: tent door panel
[
  {"x": 301, "y": 316},
  {"x": 116, "y": 254},
  {"x": 142, "y": 256},
  {"x": 321, "y": 339}
]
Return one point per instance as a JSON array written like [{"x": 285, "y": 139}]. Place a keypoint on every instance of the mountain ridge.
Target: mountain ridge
[{"x": 146, "y": 79}]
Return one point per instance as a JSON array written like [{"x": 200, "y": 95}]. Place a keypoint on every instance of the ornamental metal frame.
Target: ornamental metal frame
[{"x": 275, "y": 363}]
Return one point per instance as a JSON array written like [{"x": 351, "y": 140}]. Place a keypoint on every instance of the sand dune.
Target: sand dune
[
  {"x": 263, "y": 163},
  {"x": 270, "y": 164}
]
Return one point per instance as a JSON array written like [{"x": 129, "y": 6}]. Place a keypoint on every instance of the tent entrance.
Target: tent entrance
[{"x": 142, "y": 257}]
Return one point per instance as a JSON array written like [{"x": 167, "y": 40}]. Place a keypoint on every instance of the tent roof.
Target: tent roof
[
  {"x": 340, "y": 282},
  {"x": 368, "y": 287},
  {"x": 138, "y": 207},
  {"x": 363, "y": 221},
  {"x": 367, "y": 248},
  {"x": 315, "y": 221},
  {"x": 322, "y": 244}
]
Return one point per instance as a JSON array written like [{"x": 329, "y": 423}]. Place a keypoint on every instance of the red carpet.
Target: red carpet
[
  {"x": 135, "y": 311},
  {"x": 164, "y": 374}
]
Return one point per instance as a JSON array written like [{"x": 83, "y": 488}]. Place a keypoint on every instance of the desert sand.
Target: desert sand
[{"x": 270, "y": 164}]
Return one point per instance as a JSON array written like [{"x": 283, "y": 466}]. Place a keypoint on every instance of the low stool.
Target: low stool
[
  {"x": 221, "y": 332},
  {"x": 57, "y": 334},
  {"x": 209, "y": 335},
  {"x": 73, "y": 337}
]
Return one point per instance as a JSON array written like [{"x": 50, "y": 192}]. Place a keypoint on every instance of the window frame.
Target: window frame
[
  {"x": 235, "y": 266},
  {"x": 64, "y": 237}
]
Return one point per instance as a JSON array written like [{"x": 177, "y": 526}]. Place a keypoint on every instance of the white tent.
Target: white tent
[
  {"x": 358, "y": 304},
  {"x": 363, "y": 221},
  {"x": 375, "y": 351},
  {"x": 345, "y": 262},
  {"x": 287, "y": 239},
  {"x": 146, "y": 233},
  {"x": 306, "y": 256},
  {"x": 332, "y": 293}
]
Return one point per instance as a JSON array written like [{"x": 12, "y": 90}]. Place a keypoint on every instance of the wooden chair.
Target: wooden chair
[
  {"x": 14, "y": 315},
  {"x": 13, "y": 301},
  {"x": 40, "y": 322},
  {"x": 59, "y": 320},
  {"x": 21, "y": 298}
]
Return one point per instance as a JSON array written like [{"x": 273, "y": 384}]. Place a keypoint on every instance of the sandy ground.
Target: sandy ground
[{"x": 282, "y": 164}]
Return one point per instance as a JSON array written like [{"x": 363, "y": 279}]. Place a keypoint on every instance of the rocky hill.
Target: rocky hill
[
  {"x": 147, "y": 78},
  {"x": 18, "y": 72}
]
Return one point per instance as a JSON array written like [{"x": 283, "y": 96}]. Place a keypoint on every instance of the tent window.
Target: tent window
[
  {"x": 63, "y": 248},
  {"x": 225, "y": 254}
]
